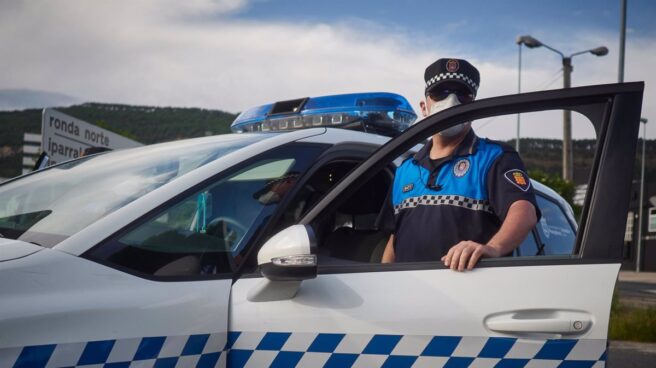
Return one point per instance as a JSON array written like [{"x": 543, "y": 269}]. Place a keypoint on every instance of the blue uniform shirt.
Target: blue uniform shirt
[{"x": 434, "y": 204}]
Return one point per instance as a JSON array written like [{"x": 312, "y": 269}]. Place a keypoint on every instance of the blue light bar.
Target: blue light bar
[{"x": 380, "y": 112}]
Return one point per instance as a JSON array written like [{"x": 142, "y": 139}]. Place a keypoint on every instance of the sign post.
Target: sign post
[
  {"x": 32, "y": 148},
  {"x": 66, "y": 138}
]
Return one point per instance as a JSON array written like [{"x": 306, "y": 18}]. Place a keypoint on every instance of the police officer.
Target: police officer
[{"x": 461, "y": 197}]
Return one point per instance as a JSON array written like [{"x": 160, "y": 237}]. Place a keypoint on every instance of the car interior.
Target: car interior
[{"x": 350, "y": 233}]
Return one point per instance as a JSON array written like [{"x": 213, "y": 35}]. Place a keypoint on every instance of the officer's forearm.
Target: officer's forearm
[
  {"x": 388, "y": 254},
  {"x": 521, "y": 218}
]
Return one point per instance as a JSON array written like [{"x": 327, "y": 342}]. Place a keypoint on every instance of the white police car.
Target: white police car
[{"x": 165, "y": 256}]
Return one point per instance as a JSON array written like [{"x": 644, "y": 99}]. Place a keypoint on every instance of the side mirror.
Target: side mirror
[
  {"x": 285, "y": 260},
  {"x": 287, "y": 256}
]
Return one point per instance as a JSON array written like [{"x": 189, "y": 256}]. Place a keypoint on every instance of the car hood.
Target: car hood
[{"x": 13, "y": 249}]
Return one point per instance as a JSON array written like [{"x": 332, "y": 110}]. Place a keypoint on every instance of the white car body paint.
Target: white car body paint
[
  {"x": 336, "y": 135},
  {"x": 13, "y": 249},
  {"x": 430, "y": 302},
  {"x": 54, "y": 297}
]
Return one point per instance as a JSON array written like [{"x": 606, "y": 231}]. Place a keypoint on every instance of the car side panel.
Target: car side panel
[
  {"x": 65, "y": 310},
  {"x": 428, "y": 316}
]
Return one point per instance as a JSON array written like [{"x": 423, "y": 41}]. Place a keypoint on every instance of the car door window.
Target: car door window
[
  {"x": 556, "y": 232},
  {"x": 555, "y": 229},
  {"x": 206, "y": 231},
  {"x": 316, "y": 185},
  {"x": 351, "y": 233},
  {"x": 529, "y": 247}
]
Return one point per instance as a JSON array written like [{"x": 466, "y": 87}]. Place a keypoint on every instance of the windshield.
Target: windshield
[{"x": 48, "y": 206}]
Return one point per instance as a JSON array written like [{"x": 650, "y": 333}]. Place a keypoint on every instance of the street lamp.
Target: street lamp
[
  {"x": 568, "y": 157},
  {"x": 642, "y": 193},
  {"x": 529, "y": 42}
]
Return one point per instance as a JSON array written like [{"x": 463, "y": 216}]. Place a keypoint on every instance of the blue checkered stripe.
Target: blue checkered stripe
[
  {"x": 201, "y": 351},
  {"x": 284, "y": 349}
]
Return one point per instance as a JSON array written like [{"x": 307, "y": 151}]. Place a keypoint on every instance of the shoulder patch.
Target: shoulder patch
[{"x": 518, "y": 178}]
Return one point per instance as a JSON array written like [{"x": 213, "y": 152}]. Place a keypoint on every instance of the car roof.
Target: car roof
[
  {"x": 339, "y": 135},
  {"x": 553, "y": 195}
]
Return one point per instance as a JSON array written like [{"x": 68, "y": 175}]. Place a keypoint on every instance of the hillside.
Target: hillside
[
  {"x": 145, "y": 124},
  {"x": 148, "y": 125}
]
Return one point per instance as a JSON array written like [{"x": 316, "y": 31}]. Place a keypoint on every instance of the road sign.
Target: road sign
[
  {"x": 652, "y": 220},
  {"x": 66, "y": 138}
]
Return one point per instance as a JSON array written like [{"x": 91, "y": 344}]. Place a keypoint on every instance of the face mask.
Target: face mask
[{"x": 444, "y": 104}]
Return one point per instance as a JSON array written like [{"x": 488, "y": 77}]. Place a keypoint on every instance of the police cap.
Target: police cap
[{"x": 450, "y": 71}]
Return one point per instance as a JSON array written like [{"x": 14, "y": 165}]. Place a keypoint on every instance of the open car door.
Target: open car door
[{"x": 542, "y": 311}]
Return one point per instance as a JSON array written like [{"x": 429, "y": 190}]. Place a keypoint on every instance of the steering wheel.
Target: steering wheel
[{"x": 227, "y": 228}]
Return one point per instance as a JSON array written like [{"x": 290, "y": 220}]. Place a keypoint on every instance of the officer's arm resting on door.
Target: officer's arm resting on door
[
  {"x": 511, "y": 197},
  {"x": 519, "y": 221}
]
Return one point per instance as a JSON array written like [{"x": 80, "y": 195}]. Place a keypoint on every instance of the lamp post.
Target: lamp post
[
  {"x": 519, "y": 88},
  {"x": 529, "y": 42},
  {"x": 642, "y": 193},
  {"x": 620, "y": 73},
  {"x": 568, "y": 156}
]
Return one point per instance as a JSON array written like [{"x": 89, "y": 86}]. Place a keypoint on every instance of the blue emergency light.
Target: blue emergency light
[{"x": 382, "y": 113}]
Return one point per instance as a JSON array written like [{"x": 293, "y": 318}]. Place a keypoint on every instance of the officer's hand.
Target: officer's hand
[{"x": 466, "y": 254}]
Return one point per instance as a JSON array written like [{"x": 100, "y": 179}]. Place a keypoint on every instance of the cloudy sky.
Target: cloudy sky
[{"x": 233, "y": 54}]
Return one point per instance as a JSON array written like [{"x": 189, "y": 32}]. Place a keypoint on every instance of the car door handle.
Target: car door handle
[{"x": 545, "y": 321}]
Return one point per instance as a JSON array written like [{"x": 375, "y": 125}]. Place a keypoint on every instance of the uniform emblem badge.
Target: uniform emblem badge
[
  {"x": 408, "y": 187},
  {"x": 460, "y": 168},
  {"x": 452, "y": 66},
  {"x": 518, "y": 178}
]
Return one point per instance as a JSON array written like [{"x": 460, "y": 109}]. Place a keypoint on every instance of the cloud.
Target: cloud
[
  {"x": 138, "y": 57},
  {"x": 18, "y": 99},
  {"x": 195, "y": 53}
]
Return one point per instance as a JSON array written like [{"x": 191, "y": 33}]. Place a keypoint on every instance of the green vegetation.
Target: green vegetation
[
  {"x": 142, "y": 123},
  {"x": 631, "y": 323},
  {"x": 153, "y": 124},
  {"x": 565, "y": 188}
]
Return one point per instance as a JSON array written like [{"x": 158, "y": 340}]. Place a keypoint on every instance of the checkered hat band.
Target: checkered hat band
[
  {"x": 299, "y": 350},
  {"x": 444, "y": 200},
  {"x": 443, "y": 76}
]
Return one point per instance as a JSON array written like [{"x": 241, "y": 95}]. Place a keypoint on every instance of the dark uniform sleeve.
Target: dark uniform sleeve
[
  {"x": 385, "y": 221},
  {"x": 507, "y": 182}
]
